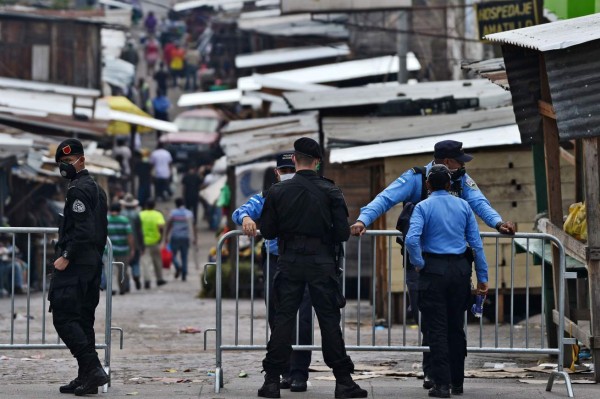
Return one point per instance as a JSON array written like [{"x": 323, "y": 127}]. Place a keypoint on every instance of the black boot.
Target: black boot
[
  {"x": 428, "y": 383},
  {"x": 70, "y": 387},
  {"x": 440, "y": 391},
  {"x": 270, "y": 388},
  {"x": 137, "y": 282},
  {"x": 345, "y": 387},
  {"x": 94, "y": 379}
]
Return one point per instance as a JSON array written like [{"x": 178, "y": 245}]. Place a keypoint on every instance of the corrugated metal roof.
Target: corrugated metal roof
[
  {"x": 340, "y": 71},
  {"x": 258, "y": 81},
  {"x": 488, "y": 137},
  {"x": 493, "y": 70},
  {"x": 489, "y": 94},
  {"x": 248, "y": 140},
  {"x": 552, "y": 36},
  {"x": 30, "y": 85},
  {"x": 290, "y": 55},
  {"x": 345, "y": 131},
  {"x": 571, "y": 58},
  {"x": 210, "y": 97}
]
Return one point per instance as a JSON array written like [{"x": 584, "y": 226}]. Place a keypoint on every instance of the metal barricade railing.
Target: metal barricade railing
[
  {"x": 396, "y": 338},
  {"x": 29, "y": 339}
]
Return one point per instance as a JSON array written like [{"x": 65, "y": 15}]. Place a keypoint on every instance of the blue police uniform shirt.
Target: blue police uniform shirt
[
  {"x": 444, "y": 224},
  {"x": 407, "y": 187},
  {"x": 253, "y": 208}
]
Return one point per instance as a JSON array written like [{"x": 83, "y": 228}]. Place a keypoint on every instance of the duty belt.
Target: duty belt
[
  {"x": 443, "y": 256},
  {"x": 305, "y": 245}
]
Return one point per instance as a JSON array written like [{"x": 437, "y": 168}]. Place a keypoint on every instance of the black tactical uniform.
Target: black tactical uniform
[
  {"x": 75, "y": 292},
  {"x": 309, "y": 216}
]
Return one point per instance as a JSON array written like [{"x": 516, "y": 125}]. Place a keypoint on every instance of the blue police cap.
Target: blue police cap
[
  {"x": 308, "y": 147},
  {"x": 450, "y": 149},
  {"x": 284, "y": 160}
]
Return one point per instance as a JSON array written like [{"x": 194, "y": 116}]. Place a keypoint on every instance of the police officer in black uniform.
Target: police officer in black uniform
[
  {"x": 309, "y": 216},
  {"x": 75, "y": 288}
]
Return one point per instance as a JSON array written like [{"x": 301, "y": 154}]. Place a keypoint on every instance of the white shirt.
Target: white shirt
[{"x": 161, "y": 160}]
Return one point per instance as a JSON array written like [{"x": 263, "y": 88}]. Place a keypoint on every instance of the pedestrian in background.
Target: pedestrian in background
[
  {"x": 180, "y": 234},
  {"x": 131, "y": 212},
  {"x": 153, "y": 228},
  {"x": 191, "y": 183},
  {"x": 121, "y": 237},
  {"x": 75, "y": 287},
  {"x": 161, "y": 161},
  {"x": 161, "y": 105},
  {"x": 161, "y": 78},
  {"x": 440, "y": 229},
  {"x": 309, "y": 217}
]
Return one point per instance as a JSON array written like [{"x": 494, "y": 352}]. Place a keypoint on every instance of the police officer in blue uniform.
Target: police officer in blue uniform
[
  {"x": 308, "y": 215},
  {"x": 408, "y": 188},
  {"x": 440, "y": 229},
  {"x": 246, "y": 216},
  {"x": 75, "y": 287}
]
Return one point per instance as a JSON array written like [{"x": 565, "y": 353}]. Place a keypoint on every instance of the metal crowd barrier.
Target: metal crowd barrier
[
  {"x": 35, "y": 335},
  {"x": 394, "y": 338}
]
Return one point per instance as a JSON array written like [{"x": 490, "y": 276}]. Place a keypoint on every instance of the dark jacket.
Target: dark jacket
[
  {"x": 291, "y": 210},
  {"x": 83, "y": 231}
]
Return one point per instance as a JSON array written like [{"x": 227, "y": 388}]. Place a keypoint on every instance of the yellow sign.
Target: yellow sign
[{"x": 500, "y": 16}]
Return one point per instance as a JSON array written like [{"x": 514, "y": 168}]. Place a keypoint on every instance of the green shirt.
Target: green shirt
[
  {"x": 151, "y": 221},
  {"x": 119, "y": 229}
]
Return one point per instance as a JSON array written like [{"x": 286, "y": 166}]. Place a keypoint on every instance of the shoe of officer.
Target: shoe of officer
[
  {"x": 345, "y": 387},
  {"x": 440, "y": 391},
  {"x": 285, "y": 382},
  {"x": 456, "y": 389},
  {"x": 298, "y": 384},
  {"x": 70, "y": 387},
  {"x": 270, "y": 388},
  {"x": 428, "y": 383},
  {"x": 94, "y": 379},
  {"x": 161, "y": 282}
]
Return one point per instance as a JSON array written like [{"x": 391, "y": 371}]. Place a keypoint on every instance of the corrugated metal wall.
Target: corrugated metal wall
[{"x": 74, "y": 50}]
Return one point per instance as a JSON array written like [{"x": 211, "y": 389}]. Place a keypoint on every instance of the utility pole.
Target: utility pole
[{"x": 402, "y": 45}]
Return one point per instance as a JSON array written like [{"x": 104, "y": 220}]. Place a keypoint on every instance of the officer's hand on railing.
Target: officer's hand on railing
[
  {"x": 506, "y": 228},
  {"x": 248, "y": 226},
  {"x": 482, "y": 288},
  {"x": 358, "y": 228}
]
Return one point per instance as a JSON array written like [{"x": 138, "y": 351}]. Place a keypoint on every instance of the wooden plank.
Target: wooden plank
[
  {"x": 573, "y": 247},
  {"x": 592, "y": 199},
  {"x": 574, "y": 330},
  {"x": 546, "y": 109}
]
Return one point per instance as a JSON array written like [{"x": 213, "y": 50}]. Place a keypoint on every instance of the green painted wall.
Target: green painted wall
[{"x": 565, "y": 9}]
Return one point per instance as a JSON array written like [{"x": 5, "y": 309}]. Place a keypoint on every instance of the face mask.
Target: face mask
[
  {"x": 67, "y": 170},
  {"x": 285, "y": 177},
  {"x": 458, "y": 173}
]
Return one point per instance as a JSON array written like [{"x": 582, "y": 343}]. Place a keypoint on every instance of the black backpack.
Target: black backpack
[{"x": 403, "y": 222}]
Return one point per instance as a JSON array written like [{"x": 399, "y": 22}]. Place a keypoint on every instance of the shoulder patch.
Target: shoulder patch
[
  {"x": 471, "y": 183},
  {"x": 78, "y": 206}
]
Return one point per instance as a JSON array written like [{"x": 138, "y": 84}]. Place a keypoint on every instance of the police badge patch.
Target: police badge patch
[
  {"x": 78, "y": 206},
  {"x": 471, "y": 183}
]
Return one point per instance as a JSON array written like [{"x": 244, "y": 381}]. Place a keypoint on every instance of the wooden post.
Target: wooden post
[
  {"x": 553, "y": 181},
  {"x": 381, "y": 306},
  {"x": 592, "y": 200}
]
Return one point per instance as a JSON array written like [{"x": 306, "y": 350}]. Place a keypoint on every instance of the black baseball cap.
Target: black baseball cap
[
  {"x": 284, "y": 160},
  {"x": 308, "y": 147},
  {"x": 68, "y": 147},
  {"x": 450, "y": 149}
]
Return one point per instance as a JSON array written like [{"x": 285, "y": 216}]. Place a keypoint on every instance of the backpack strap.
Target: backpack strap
[{"x": 420, "y": 170}]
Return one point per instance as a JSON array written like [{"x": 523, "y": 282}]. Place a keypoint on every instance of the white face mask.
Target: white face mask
[{"x": 285, "y": 177}]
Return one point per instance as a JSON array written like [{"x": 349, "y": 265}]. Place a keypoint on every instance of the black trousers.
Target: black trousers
[
  {"x": 299, "y": 360},
  {"x": 444, "y": 292},
  {"x": 294, "y": 274},
  {"x": 74, "y": 295},
  {"x": 412, "y": 283}
]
